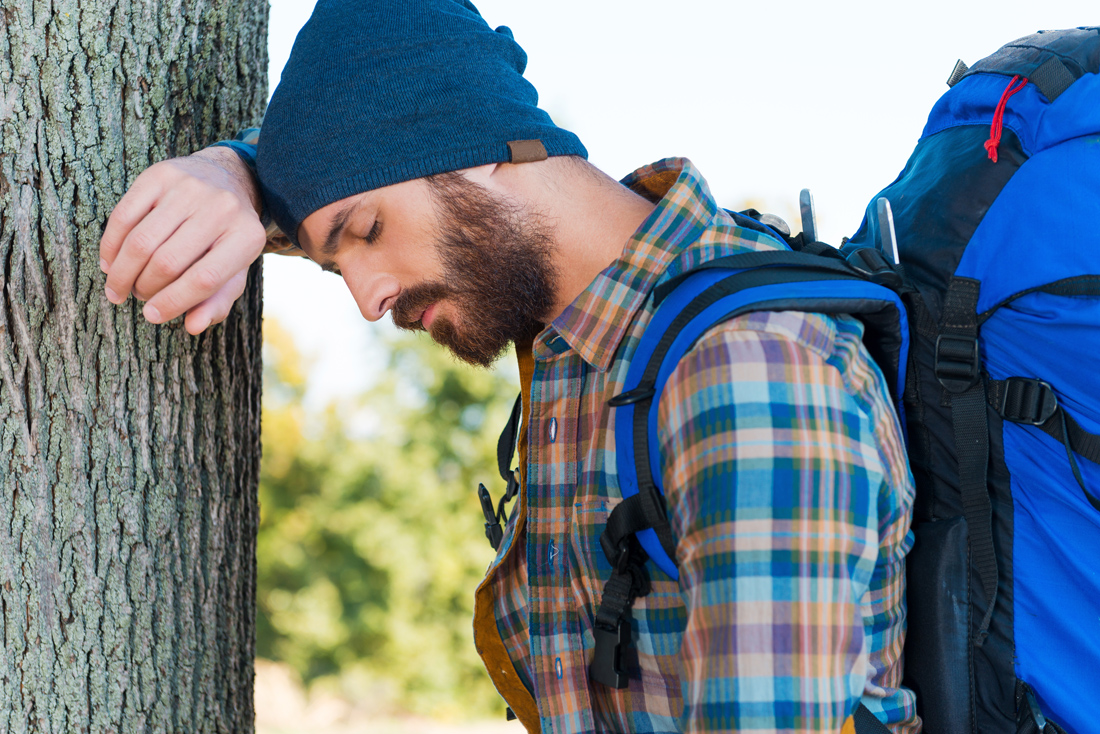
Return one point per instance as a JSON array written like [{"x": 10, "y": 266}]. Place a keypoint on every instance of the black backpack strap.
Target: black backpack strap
[
  {"x": 506, "y": 444},
  {"x": 506, "y": 451},
  {"x": 759, "y": 259},
  {"x": 958, "y": 369},
  {"x": 868, "y": 723},
  {"x": 611, "y": 628}
]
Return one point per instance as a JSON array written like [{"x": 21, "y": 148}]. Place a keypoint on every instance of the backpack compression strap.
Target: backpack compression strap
[
  {"x": 1031, "y": 401},
  {"x": 779, "y": 281}
]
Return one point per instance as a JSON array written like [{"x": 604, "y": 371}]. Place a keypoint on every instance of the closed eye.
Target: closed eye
[{"x": 375, "y": 232}]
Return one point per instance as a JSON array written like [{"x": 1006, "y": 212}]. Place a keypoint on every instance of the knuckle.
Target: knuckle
[
  {"x": 165, "y": 264},
  {"x": 226, "y": 202},
  {"x": 123, "y": 213},
  {"x": 207, "y": 279},
  {"x": 255, "y": 237},
  {"x": 195, "y": 188},
  {"x": 140, "y": 242}
]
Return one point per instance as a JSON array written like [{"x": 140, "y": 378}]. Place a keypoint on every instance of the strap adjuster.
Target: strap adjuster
[
  {"x": 1028, "y": 401},
  {"x": 958, "y": 362},
  {"x": 607, "y": 667}
]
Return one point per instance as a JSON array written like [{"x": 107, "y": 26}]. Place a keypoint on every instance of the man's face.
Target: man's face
[{"x": 446, "y": 255}]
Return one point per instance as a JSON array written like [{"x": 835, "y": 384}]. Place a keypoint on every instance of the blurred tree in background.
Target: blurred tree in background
[{"x": 369, "y": 549}]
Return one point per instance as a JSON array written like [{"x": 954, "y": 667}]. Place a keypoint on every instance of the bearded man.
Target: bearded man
[{"x": 404, "y": 150}]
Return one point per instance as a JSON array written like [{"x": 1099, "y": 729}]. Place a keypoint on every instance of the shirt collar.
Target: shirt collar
[{"x": 595, "y": 323}]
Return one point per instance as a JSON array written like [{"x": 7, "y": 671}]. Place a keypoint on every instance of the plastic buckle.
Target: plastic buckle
[
  {"x": 872, "y": 265},
  {"x": 606, "y": 667},
  {"x": 493, "y": 532},
  {"x": 637, "y": 395},
  {"x": 958, "y": 362},
  {"x": 1028, "y": 401}
]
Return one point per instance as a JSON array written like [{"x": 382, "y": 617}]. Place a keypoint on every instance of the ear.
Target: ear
[{"x": 482, "y": 175}]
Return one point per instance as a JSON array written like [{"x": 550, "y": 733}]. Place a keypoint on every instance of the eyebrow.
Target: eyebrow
[{"x": 339, "y": 222}]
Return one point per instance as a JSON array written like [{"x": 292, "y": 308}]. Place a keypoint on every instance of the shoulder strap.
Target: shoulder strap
[{"x": 760, "y": 281}]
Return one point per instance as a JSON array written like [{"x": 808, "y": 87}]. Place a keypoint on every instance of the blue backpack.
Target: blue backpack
[
  {"x": 997, "y": 221},
  {"x": 998, "y": 224}
]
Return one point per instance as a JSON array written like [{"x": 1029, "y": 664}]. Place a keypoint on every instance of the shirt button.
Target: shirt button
[{"x": 553, "y": 430}]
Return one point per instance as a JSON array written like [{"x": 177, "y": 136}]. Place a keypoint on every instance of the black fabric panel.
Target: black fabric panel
[
  {"x": 937, "y": 662},
  {"x": 938, "y": 201},
  {"x": 1077, "y": 50},
  {"x": 935, "y": 469}
]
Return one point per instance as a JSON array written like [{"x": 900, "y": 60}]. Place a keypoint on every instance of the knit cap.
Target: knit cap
[{"x": 382, "y": 91}]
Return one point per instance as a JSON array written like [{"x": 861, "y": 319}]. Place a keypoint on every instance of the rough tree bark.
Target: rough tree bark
[{"x": 129, "y": 453}]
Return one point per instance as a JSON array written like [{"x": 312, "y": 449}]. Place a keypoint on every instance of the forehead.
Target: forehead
[
  {"x": 406, "y": 205},
  {"x": 315, "y": 228}
]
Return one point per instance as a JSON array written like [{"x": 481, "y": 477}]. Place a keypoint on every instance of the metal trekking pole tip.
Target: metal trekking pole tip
[
  {"x": 887, "y": 237},
  {"x": 809, "y": 215}
]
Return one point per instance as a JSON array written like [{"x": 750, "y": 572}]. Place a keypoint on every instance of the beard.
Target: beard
[{"x": 497, "y": 273}]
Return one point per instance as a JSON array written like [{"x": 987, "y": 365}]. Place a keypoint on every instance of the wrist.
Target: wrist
[{"x": 238, "y": 170}]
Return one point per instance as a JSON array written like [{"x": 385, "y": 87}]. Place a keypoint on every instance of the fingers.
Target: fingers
[
  {"x": 127, "y": 214},
  {"x": 172, "y": 258},
  {"x": 214, "y": 309},
  {"x": 144, "y": 238},
  {"x": 183, "y": 237},
  {"x": 225, "y": 261}
]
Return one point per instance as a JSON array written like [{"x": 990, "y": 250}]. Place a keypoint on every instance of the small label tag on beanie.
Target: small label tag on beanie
[{"x": 527, "y": 151}]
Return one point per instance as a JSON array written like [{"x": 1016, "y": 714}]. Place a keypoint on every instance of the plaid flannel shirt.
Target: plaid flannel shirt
[{"x": 789, "y": 494}]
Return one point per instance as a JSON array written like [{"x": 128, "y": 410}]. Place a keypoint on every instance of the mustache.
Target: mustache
[{"x": 412, "y": 301}]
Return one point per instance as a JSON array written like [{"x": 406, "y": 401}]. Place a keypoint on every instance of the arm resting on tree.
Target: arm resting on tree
[
  {"x": 244, "y": 145},
  {"x": 183, "y": 238}
]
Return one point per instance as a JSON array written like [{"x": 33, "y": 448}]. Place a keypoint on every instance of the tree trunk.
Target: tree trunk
[{"x": 129, "y": 453}]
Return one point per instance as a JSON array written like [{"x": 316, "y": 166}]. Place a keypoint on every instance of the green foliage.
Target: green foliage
[{"x": 370, "y": 549}]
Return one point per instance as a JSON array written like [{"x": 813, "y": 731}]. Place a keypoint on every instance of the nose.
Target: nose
[{"x": 374, "y": 293}]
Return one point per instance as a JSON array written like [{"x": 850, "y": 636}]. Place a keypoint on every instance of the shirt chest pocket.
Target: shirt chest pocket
[{"x": 589, "y": 568}]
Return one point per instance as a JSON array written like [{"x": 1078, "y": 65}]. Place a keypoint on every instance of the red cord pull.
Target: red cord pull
[{"x": 999, "y": 116}]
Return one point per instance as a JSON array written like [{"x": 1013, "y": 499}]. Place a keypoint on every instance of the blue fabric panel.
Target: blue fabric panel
[
  {"x": 1038, "y": 123},
  {"x": 1047, "y": 216},
  {"x": 1056, "y": 558},
  {"x": 1057, "y": 582},
  {"x": 662, "y": 319}
]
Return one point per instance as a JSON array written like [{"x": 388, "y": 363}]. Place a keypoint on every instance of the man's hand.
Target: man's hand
[{"x": 183, "y": 237}]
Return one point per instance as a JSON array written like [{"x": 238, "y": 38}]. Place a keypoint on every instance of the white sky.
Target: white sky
[{"x": 764, "y": 97}]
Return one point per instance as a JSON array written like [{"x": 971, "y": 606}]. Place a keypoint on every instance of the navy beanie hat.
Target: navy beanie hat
[{"x": 382, "y": 91}]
